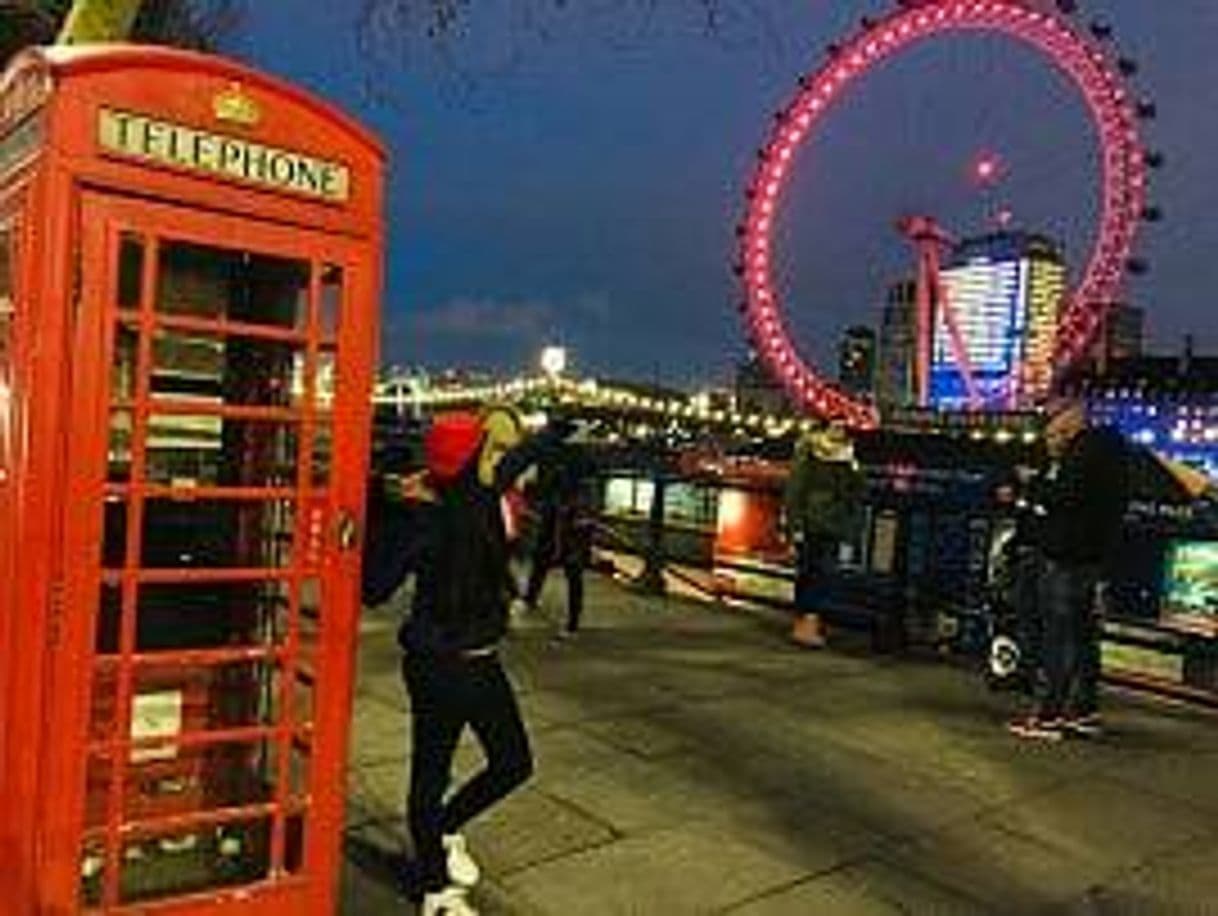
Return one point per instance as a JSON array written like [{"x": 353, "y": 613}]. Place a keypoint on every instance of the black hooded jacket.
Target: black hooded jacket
[
  {"x": 460, "y": 556},
  {"x": 1086, "y": 500}
]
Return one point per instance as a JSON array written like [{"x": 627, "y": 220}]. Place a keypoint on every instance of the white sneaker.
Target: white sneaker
[
  {"x": 448, "y": 902},
  {"x": 463, "y": 871}
]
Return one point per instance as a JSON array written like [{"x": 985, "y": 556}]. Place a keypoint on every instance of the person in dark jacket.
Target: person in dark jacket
[
  {"x": 451, "y": 665},
  {"x": 1084, "y": 500},
  {"x": 823, "y": 502},
  {"x": 564, "y": 527}
]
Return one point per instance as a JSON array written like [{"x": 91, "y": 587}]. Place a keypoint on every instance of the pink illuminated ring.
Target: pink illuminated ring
[{"x": 1123, "y": 176}]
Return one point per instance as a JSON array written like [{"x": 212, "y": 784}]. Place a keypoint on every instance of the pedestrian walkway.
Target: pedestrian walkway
[{"x": 690, "y": 761}]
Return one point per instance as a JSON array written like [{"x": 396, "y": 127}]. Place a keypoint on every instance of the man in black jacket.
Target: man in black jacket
[
  {"x": 1085, "y": 496},
  {"x": 564, "y": 527}
]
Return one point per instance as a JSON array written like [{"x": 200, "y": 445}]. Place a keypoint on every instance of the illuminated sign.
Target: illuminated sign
[{"x": 140, "y": 137}]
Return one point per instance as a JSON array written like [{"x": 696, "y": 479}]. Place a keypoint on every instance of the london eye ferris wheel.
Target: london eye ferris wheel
[{"x": 1081, "y": 52}]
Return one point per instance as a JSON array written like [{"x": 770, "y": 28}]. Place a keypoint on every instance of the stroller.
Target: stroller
[
  {"x": 1011, "y": 614},
  {"x": 1013, "y": 628}
]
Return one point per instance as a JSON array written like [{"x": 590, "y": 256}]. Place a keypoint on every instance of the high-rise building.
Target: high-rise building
[
  {"x": 895, "y": 375},
  {"x": 1005, "y": 292},
  {"x": 856, "y": 360}
]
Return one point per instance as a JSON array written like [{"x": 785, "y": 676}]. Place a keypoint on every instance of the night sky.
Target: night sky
[{"x": 578, "y": 182}]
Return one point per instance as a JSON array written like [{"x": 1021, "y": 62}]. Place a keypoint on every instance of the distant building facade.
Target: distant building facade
[
  {"x": 1122, "y": 337},
  {"x": 895, "y": 377},
  {"x": 757, "y": 391},
  {"x": 1168, "y": 403},
  {"x": 856, "y": 361}
]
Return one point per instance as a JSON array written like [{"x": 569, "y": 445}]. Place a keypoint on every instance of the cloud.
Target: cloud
[
  {"x": 483, "y": 319},
  {"x": 489, "y": 318}
]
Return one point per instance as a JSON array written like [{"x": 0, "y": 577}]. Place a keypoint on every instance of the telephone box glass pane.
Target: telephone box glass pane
[
  {"x": 217, "y": 534},
  {"x": 169, "y": 699},
  {"x": 195, "y": 859},
  {"x": 331, "y": 299},
  {"x": 123, "y": 365},
  {"x": 304, "y": 693},
  {"x": 210, "y": 615},
  {"x": 168, "y": 779},
  {"x": 92, "y": 871},
  {"x": 327, "y": 379},
  {"x": 118, "y": 451},
  {"x": 238, "y": 371},
  {"x": 221, "y": 284},
  {"x": 114, "y": 540},
  {"x": 208, "y": 450},
  {"x": 293, "y": 850},
  {"x": 323, "y": 453},
  {"x": 130, "y": 271},
  {"x": 109, "y": 620}
]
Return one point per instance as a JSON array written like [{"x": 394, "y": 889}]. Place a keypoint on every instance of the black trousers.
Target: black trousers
[
  {"x": 1071, "y": 647},
  {"x": 446, "y": 694},
  {"x": 566, "y": 543},
  {"x": 817, "y": 567}
]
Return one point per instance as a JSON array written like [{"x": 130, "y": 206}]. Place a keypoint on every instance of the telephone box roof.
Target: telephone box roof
[{"x": 73, "y": 60}]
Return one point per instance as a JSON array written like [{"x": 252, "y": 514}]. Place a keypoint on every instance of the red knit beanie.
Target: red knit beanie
[{"x": 451, "y": 443}]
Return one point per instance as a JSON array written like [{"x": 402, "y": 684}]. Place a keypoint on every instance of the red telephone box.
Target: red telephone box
[{"x": 189, "y": 282}]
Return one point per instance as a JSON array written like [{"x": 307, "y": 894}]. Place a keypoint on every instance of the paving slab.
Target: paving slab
[
  {"x": 1007, "y": 872},
  {"x": 1184, "y": 881},
  {"x": 685, "y": 870},
  {"x": 531, "y": 828},
  {"x": 1106, "y": 823},
  {"x": 871, "y": 888}
]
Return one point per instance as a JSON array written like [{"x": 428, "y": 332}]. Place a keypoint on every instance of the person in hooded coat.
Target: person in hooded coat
[
  {"x": 450, "y": 664},
  {"x": 824, "y": 503}
]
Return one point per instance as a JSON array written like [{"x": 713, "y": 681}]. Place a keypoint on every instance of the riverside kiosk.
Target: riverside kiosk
[{"x": 189, "y": 285}]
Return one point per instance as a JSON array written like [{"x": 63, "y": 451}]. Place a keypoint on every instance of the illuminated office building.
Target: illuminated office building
[{"x": 1005, "y": 291}]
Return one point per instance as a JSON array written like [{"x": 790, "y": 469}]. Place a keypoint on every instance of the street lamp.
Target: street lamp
[{"x": 554, "y": 361}]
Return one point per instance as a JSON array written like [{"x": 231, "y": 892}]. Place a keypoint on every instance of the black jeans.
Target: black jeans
[
  {"x": 1071, "y": 644},
  {"x": 446, "y": 694},
  {"x": 565, "y": 542}
]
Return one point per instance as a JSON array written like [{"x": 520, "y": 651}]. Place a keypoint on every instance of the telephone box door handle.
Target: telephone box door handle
[{"x": 348, "y": 530}]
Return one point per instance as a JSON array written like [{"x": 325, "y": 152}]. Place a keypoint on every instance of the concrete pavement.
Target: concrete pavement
[{"x": 691, "y": 761}]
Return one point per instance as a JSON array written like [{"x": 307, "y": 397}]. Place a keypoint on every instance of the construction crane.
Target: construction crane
[{"x": 929, "y": 238}]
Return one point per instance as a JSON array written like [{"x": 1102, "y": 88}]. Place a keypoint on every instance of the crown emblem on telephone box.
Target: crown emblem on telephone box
[{"x": 234, "y": 106}]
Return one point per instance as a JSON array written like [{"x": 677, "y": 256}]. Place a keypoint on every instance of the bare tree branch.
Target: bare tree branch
[{"x": 469, "y": 45}]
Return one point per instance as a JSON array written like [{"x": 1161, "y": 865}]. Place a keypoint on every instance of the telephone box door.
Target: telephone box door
[{"x": 217, "y": 454}]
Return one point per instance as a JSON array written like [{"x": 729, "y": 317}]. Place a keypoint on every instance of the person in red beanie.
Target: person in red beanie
[{"x": 451, "y": 664}]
